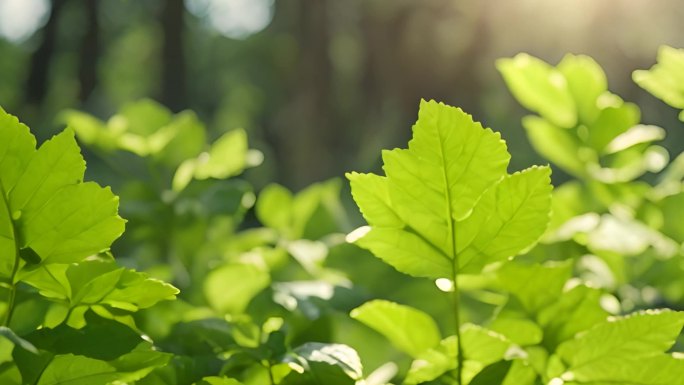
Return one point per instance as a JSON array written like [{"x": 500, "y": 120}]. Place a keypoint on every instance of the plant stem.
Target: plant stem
[
  {"x": 15, "y": 266},
  {"x": 455, "y": 303}
]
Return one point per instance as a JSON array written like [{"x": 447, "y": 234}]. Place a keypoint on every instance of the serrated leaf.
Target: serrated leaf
[
  {"x": 641, "y": 334},
  {"x": 662, "y": 369},
  {"x": 99, "y": 282},
  {"x": 79, "y": 220},
  {"x": 509, "y": 218},
  {"x": 47, "y": 208},
  {"x": 410, "y": 330},
  {"x": 540, "y": 88},
  {"x": 371, "y": 194},
  {"x": 448, "y": 196}
]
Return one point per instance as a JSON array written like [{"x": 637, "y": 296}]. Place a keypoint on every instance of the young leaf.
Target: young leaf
[
  {"x": 540, "y": 88},
  {"x": 409, "y": 329},
  {"x": 665, "y": 79},
  {"x": 447, "y": 204}
]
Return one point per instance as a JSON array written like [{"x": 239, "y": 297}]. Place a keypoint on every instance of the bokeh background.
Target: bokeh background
[{"x": 320, "y": 85}]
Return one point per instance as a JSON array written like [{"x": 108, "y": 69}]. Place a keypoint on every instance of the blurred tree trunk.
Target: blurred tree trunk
[
  {"x": 87, "y": 66},
  {"x": 305, "y": 123},
  {"x": 37, "y": 81},
  {"x": 174, "y": 92}
]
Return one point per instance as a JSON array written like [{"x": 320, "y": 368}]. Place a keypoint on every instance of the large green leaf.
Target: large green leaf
[
  {"x": 409, "y": 329},
  {"x": 447, "y": 204},
  {"x": 642, "y": 334},
  {"x": 662, "y": 369},
  {"x": 509, "y": 218},
  {"x": 48, "y": 211}
]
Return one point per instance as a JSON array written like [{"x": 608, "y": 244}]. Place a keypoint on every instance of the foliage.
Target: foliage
[{"x": 526, "y": 284}]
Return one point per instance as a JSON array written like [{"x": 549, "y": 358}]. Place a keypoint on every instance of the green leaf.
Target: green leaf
[
  {"x": 508, "y": 219},
  {"x": 555, "y": 144},
  {"x": 611, "y": 122},
  {"x": 447, "y": 204},
  {"x": 17, "y": 146},
  {"x": 371, "y": 194},
  {"x": 225, "y": 296},
  {"x": 492, "y": 374},
  {"x": 665, "y": 80},
  {"x": 540, "y": 88},
  {"x": 187, "y": 139},
  {"x": 226, "y": 157},
  {"x": 274, "y": 207},
  {"x": 481, "y": 347},
  {"x": 47, "y": 208},
  {"x": 329, "y": 364},
  {"x": 88, "y": 223},
  {"x": 535, "y": 286},
  {"x": 641, "y": 334},
  {"x": 574, "y": 311},
  {"x": 586, "y": 82},
  {"x": 410, "y": 330},
  {"x": 99, "y": 282},
  {"x": 69, "y": 369},
  {"x": 662, "y": 369},
  {"x": 404, "y": 250}
]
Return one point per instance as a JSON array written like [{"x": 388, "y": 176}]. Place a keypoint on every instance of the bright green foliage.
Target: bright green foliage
[
  {"x": 624, "y": 341},
  {"x": 665, "y": 79},
  {"x": 582, "y": 127},
  {"x": 447, "y": 204},
  {"x": 68, "y": 306},
  {"x": 410, "y": 330},
  {"x": 42, "y": 188},
  {"x": 98, "y": 282}
]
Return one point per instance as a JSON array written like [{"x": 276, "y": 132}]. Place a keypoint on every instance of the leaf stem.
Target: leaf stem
[
  {"x": 15, "y": 266},
  {"x": 455, "y": 303}
]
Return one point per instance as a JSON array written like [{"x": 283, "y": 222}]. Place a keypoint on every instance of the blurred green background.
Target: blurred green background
[{"x": 319, "y": 85}]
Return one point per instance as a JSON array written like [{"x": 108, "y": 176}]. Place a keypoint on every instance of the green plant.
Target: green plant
[{"x": 63, "y": 293}]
